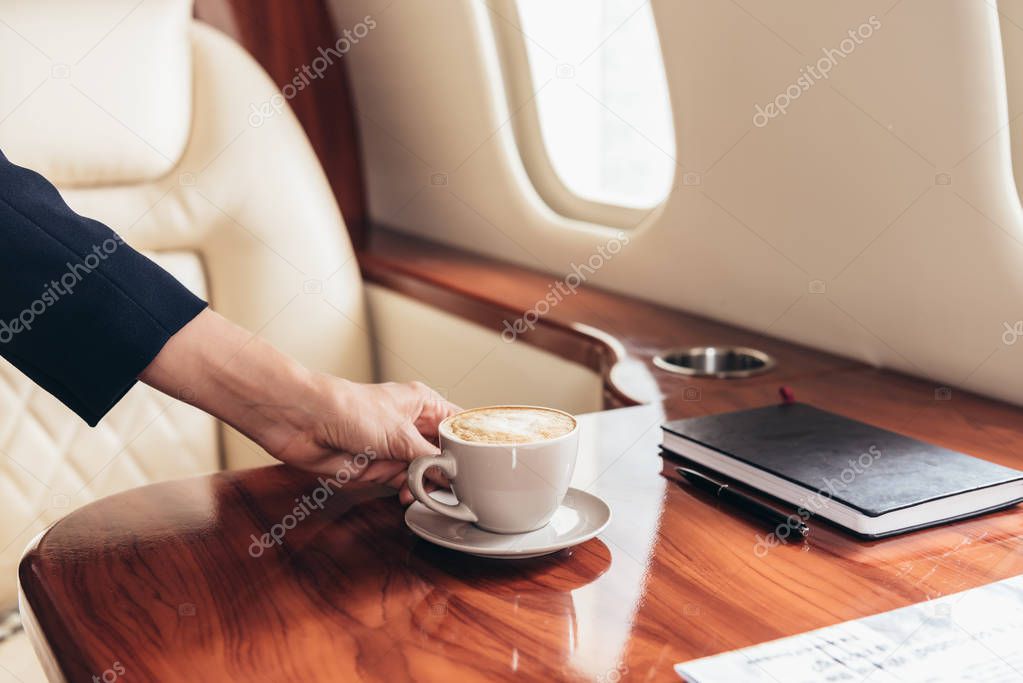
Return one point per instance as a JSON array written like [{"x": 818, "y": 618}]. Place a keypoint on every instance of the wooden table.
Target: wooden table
[{"x": 161, "y": 578}]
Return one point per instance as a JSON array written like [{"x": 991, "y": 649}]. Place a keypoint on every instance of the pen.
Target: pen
[{"x": 743, "y": 501}]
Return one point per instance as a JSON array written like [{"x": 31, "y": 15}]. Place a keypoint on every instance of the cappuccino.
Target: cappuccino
[{"x": 510, "y": 425}]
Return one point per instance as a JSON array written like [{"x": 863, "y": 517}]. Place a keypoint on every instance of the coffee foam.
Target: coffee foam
[{"x": 510, "y": 425}]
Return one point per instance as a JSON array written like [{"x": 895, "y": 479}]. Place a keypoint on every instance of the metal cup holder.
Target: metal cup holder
[{"x": 724, "y": 362}]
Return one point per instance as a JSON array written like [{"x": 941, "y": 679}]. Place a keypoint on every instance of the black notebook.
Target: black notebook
[{"x": 866, "y": 479}]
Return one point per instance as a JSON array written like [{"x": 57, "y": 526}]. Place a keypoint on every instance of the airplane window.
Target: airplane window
[{"x": 602, "y": 98}]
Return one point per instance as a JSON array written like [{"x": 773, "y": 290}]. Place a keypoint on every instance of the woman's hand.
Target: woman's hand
[
  {"x": 310, "y": 420},
  {"x": 371, "y": 431}
]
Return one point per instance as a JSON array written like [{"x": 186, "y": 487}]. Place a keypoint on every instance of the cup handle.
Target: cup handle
[{"x": 446, "y": 464}]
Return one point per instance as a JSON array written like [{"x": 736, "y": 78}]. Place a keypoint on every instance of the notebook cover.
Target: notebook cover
[
  {"x": 671, "y": 460},
  {"x": 869, "y": 469}
]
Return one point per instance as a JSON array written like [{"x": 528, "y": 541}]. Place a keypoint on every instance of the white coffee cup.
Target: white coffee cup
[{"x": 506, "y": 488}]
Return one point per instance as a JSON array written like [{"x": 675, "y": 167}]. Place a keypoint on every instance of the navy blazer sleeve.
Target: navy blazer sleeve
[{"x": 81, "y": 313}]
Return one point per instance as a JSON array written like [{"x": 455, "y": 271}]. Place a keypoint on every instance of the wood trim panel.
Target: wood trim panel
[
  {"x": 618, "y": 336},
  {"x": 615, "y": 335},
  {"x": 588, "y": 348}
]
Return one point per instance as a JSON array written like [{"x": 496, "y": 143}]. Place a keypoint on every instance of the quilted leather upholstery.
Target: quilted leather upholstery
[
  {"x": 241, "y": 213},
  {"x": 51, "y": 462}
]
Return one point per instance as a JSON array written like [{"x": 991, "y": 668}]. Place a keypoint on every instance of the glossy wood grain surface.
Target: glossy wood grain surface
[
  {"x": 613, "y": 334},
  {"x": 162, "y": 578}
]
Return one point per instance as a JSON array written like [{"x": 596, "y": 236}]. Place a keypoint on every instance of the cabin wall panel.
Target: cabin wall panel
[
  {"x": 878, "y": 218},
  {"x": 470, "y": 364}
]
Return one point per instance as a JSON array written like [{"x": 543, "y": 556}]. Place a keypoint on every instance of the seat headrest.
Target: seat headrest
[{"x": 96, "y": 92}]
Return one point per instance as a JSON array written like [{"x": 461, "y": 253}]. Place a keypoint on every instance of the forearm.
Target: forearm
[
  {"x": 237, "y": 377},
  {"x": 310, "y": 420}
]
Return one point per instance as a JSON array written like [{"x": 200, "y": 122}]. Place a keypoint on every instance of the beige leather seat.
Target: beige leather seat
[
  {"x": 170, "y": 133},
  {"x": 143, "y": 119}
]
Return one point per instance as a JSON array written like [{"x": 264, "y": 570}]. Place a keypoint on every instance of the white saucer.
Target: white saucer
[{"x": 581, "y": 516}]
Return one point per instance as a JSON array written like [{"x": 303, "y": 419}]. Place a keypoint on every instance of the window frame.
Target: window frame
[{"x": 506, "y": 24}]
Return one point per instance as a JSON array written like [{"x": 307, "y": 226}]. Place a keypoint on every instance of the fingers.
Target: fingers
[
  {"x": 433, "y": 409},
  {"x": 394, "y": 473},
  {"x": 393, "y": 478},
  {"x": 385, "y": 472},
  {"x": 410, "y": 444},
  {"x": 405, "y": 496},
  {"x": 435, "y": 476},
  {"x": 345, "y": 467}
]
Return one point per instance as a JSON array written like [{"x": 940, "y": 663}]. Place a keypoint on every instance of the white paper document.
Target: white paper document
[{"x": 976, "y": 635}]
